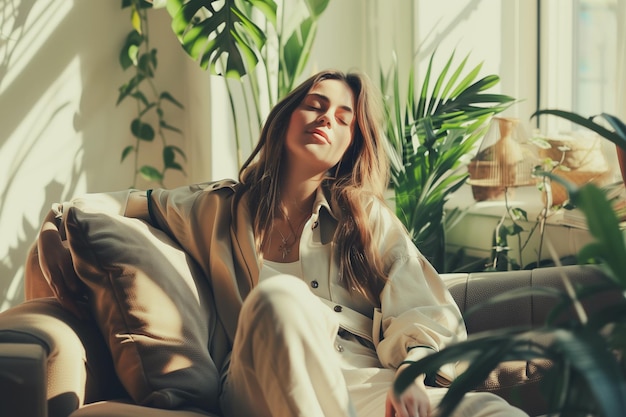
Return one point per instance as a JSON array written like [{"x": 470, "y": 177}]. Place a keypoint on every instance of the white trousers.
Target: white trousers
[{"x": 289, "y": 361}]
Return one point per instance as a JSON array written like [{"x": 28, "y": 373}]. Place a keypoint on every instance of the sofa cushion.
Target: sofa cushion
[{"x": 152, "y": 304}]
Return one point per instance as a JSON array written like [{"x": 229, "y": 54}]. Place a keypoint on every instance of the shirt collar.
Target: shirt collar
[{"x": 321, "y": 201}]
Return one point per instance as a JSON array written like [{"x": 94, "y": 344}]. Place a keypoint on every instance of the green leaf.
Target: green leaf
[
  {"x": 268, "y": 8},
  {"x": 153, "y": 59},
  {"x": 141, "y": 130},
  {"x": 164, "y": 125},
  {"x": 435, "y": 97},
  {"x": 464, "y": 84},
  {"x": 130, "y": 50},
  {"x": 227, "y": 38},
  {"x": 518, "y": 213},
  {"x": 150, "y": 173},
  {"x": 169, "y": 158},
  {"x": 294, "y": 59},
  {"x": 618, "y": 126},
  {"x": 141, "y": 97},
  {"x": 128, "y": 88},
  {"x": 146, "y": 109},
  {"x": 603, "y": 225},
  {"x": 587, "y": 352},
  {"x": 127, "y": 150},
  {"x": 168, "y": 97},
  {"x": 455, "y": 75},
  {"x": 145, "y": 65},
  {"x": 617, "y": 138},
  {"x": 135, "y": 19},
  {"x": 316, "y": 7}
]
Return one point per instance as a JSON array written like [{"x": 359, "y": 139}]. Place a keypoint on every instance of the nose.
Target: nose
[{"x": 324, "y": 119}]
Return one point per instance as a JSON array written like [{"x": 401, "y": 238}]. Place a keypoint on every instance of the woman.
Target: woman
[{"x": 322, "y": 295}]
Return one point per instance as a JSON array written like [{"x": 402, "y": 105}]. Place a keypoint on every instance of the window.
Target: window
[
  {"x": 578, "y": 57},
  {"x": 595, "y": 56},
  {"x": 578, "y": 62},
  {"x": 559, "y": 54}
]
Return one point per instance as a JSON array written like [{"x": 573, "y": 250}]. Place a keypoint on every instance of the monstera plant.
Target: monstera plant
[
  {"x": 431, "y": 129},
  {"x": 261, "y": 45}
]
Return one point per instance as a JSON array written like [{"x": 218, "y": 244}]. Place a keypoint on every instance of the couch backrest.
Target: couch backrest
[{"x": 530, "y": 309}]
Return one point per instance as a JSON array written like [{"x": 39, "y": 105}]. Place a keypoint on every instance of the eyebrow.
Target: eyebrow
[{"x": 327, "y": 100}]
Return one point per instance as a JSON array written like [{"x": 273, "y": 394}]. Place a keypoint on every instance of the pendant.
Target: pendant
[{"x": 284, "y": 248}]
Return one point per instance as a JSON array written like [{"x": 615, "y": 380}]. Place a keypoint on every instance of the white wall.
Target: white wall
[{"x": 61, "y": 133}]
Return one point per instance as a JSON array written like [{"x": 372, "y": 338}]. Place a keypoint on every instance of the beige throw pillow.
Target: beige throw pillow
[{"x": 153, "y": 306}]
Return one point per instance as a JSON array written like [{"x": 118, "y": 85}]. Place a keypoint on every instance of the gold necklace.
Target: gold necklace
[{"x": 285, "y": 246}]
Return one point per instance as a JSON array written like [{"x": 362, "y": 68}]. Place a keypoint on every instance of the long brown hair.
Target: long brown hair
[{"x": 361, "y": 174}]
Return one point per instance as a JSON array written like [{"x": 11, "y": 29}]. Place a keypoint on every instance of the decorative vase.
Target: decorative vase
[{"x": 504, "y": 160}]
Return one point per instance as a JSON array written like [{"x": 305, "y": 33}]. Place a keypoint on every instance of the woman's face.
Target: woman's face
[{"x": 321, "y": 127}]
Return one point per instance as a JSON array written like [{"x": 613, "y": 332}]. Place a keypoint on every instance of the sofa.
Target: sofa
[{"x": 151, "y": 335}]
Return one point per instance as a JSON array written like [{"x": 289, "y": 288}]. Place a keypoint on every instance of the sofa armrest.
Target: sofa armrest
[
  {"x": 78, "y": 365},
  {"x": 519, "y": 381},
  {"x": 23, "y": 380},
  {"x": 474, "y": 289}
]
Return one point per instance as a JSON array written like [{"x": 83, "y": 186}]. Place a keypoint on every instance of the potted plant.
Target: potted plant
[
  {"x": 589, "y": 355},
  {"x": 430, "y": 131}
]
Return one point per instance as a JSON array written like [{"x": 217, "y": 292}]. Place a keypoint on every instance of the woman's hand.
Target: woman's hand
[
  {"x": 413, "y": 402},
  {"x": 57, "y": 267}
]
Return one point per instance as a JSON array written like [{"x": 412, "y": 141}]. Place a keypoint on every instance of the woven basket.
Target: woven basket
[
  {"x": 585, "y": 160},
  {"x": 559, "y": 193}
]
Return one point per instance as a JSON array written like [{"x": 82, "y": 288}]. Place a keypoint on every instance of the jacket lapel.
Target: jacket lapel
[{"x": 244, "y": 250}]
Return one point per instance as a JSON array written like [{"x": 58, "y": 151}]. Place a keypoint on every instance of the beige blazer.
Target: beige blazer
[{"x": 416, "y": 314}]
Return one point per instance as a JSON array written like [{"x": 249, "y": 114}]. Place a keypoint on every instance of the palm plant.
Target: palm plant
[
  {"x": 261, "y": 45},
  {"x": 430, "y": 133},
  {"x": 588, "y": 376}
]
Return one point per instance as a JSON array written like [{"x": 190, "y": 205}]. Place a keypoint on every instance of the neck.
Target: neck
[{"x": 297, "y": 196}]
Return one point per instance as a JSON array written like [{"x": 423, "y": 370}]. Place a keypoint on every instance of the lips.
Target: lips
[{"x": 320, "y": 132}]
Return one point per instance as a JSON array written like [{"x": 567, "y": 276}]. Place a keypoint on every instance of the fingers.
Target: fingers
[
  {"x": 414, "y": 402},
  {"x": 389, "y": 408},
  {"x": 56, "y": 265}
]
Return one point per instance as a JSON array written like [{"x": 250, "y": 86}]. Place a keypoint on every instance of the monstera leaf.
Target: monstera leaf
[{"x": 220, "y": 34}]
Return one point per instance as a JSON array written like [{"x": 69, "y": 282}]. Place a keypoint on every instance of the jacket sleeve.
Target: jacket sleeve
[
  {"x": 187, "y": 213},
  {"x": 419, "y": 315}
]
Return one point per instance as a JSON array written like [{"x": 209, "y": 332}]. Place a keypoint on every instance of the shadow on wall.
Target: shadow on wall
[{"x": 60, "y": 132}]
